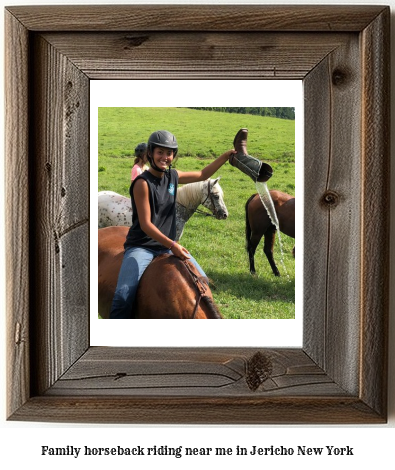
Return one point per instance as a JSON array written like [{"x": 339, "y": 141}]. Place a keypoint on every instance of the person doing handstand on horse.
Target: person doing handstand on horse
[{"x": 153, "y": 196}]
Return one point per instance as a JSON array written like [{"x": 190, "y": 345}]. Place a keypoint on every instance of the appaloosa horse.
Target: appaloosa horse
[
  {"x": 115, "y": 209},
  {"x": 169, "y": 287},
  {"x": 258, "y": 225}
]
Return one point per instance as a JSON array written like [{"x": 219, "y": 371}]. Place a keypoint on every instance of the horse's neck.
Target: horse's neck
[
  {"x": 183, "y": 214},
  {"x": 190, "y": 195}
]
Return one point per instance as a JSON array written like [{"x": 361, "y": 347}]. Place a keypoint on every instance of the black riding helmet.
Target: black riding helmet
[
  {"x": 140, "y": 150},
  {"x": 163, "y": 139}
]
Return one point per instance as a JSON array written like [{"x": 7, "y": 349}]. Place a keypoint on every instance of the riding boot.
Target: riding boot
[{"x": 251, "y": 166}]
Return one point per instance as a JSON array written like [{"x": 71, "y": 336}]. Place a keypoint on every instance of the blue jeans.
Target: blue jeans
[{"x": 134, "y": 263}]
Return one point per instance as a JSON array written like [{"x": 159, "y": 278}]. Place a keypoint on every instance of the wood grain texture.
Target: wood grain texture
[
  {"x": 194, "y": 386},
  {"x": 60, "y": 213},
  {"x": 375, "y": 212},
  {"x": 203, "y": 372},
  {"x": 333, "y": 224},
  {"x": 196, "y": 55},
  {"x": 17, "y": 213},
  {"x": 196, "y": 410},
  {"x": 339, "y": 376},
  {"x": 196, "y": 17}
]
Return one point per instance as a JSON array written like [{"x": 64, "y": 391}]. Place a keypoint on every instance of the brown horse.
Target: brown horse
[
  {"x": 258, "y": 225},
  {"x": 169, "y": 287}
]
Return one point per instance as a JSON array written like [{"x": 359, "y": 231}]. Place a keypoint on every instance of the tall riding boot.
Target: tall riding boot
[{"x": 251, "y": 166}]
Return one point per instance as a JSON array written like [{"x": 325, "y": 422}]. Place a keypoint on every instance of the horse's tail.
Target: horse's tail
[{"x": 248, "y": 226}]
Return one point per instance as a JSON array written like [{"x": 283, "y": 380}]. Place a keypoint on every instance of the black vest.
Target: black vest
[{"x": 162, "y": 200}]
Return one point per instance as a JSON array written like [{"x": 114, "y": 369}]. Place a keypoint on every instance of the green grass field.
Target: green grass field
[{"x": 219, "y": 246}]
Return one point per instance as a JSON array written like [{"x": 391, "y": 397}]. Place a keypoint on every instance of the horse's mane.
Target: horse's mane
[
  {"x": 212, "y": 307},
  {"x": 190, "y": 194}
]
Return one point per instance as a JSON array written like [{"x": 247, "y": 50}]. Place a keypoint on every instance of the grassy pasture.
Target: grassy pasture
[{"x": 219, "y": 246}]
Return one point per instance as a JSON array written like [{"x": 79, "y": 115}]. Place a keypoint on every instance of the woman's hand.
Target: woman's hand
[
  {"x": 228, "y": 154},
  {"x": 180, "y": 251}
]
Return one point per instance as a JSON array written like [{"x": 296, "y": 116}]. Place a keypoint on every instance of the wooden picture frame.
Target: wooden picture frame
[{"x": 340, "y": 374}]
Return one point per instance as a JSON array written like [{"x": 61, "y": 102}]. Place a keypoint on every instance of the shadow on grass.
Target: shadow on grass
[{"x": 255, "y": 288}]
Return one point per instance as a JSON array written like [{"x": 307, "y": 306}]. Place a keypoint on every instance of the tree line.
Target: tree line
[{"x": 282, "y": 113}]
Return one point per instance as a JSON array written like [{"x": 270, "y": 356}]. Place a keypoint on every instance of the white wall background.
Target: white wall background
[{"x": 20, "y": 443}]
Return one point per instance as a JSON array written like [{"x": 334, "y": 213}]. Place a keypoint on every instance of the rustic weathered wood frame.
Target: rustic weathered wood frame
[{"x": 340, "y": 374}]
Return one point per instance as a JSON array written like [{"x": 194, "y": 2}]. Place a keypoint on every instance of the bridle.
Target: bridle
[{"x": 209, "y": 196}]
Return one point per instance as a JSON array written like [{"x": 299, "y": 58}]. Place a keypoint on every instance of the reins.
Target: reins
[
  {"x": 207, "y": 214},
  {"x": 200, "y": 285}
]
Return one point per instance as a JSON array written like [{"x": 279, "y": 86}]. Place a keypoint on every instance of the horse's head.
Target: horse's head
[{"x": 214, "y": 199}]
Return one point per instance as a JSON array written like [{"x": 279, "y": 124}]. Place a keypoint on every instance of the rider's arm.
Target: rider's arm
[{"x": 193, "y": 176}]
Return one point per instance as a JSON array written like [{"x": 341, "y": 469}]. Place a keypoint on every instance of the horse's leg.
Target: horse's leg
[
  {"x": 268, "y": 246},
  {"x": 252, "y": 244},
  {"x": 252, "y": 240}
]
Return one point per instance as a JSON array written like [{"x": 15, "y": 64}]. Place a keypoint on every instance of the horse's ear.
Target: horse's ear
[{"x": 216, "y": 180}]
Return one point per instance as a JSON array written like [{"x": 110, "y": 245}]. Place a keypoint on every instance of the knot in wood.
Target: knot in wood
[
  {"x": 330, "y": 199},
  {"x": 135, "y": 41},
  {"x": 259, "y": 369},
  {"x": 340, "y": 77},
  {"x": 120, "y": 375}
]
